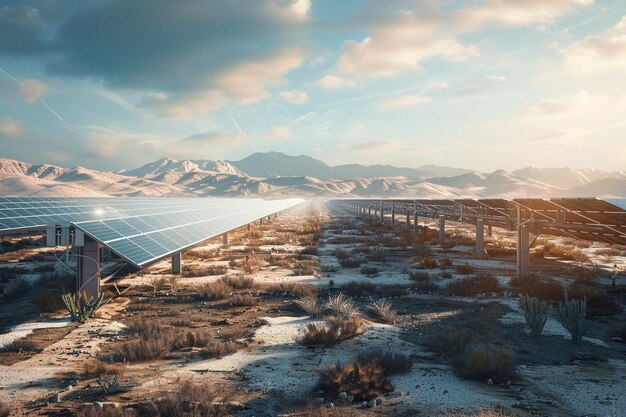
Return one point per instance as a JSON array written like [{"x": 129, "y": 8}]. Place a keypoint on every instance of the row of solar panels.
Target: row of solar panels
[{"x": 141, "y": 230}]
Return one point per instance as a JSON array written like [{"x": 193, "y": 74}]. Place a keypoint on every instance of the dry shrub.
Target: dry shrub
[
  {"x": 500, "y": 251},
  {"x": 486, "y": 412},
  {"x": 214, "y": 291},
  {"x": 305, "y": 267},
  {"x": 540, "y": 288},
  {"x": 197, "y": 271},
  {"x": 480, "y": 284},
  {"x": 93, "y": 411},
  {"x": 358, "y": 288},
  {"x": 428, "y": 262},
  {"x": 599, "y": 302},
  {"x": 16, "y": 288},
  {"x": 157, "y": 283},
  {"x": 183, "y": 321},
  {"x": 48, "y": 301},
  {"x": 483, "y": 361},
  {"x": 419, "y": 276},
  {"x": 293, "y": 288},
  {"x": 251, "y": 265},
  {"x": 95, "y": 368},
  {"x": 342, "y": 254},
  {"x": 150, "y": 341},
  {"x": 330, "y": 333},
  {"x": 351, "y": 262},
  {"x": 341, "y": 305},
  {"x": 310, "y": 304},
  {"x": 383, "y": 309},
  {"x": 238, "y": 282},
  {"x": 567, "y": 252},
  {"x": 190, "y": 399},
  {"x": 23, "y": 345},
  {"x": 465, "y": 269},
  {"x": 314, "y": 410},
  {"x": 425, "y": 287},
  {"x": 369, "y": 270},
  {"x": 218, "y": 349},
  {"x": 364, "y": 381},
  {"x": 455, "y": 339},
  {"x": 243, "y": 301},
  {"x": 393, "y": 363},
  {"x": 5, "y": 409}
]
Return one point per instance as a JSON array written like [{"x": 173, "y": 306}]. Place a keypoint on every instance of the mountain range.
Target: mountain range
[{"x": 274, "y": 175}]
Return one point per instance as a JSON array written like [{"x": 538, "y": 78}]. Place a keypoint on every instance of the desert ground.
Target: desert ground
[{"x": 318, "y": 313}]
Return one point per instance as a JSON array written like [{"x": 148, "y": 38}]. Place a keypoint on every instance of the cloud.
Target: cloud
[
  {"x": 403, "y": 101},
  {"x": 581, "y": 102},
  {"x": 183, "y": 107},
  {"x": 294, "y": 96},
  {"x": 20, "y": 30},
  {"x": 32, "y": 90},
  {"x": 474, "y": 86},
  {"x": 516, "y": 12},
  {"x": 10, "y": 128},
  {"x": 599, "y": 53},
  {"x": 216, "y": 139},
  {"x": 377, "y": 145},
  {"x": 400, "y": 45},
  {"x": 332, "y": 82},
  {"x": 279, "y": 132}
]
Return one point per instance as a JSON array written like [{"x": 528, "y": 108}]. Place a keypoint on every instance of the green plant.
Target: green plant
[
  {"x": 82, "y": 308},
  {"x": 384, "y": 310},
  {"x": 572, "y": 316},
  {"x": 110, "y": 385},
  {"x": 535, "y": 313}
]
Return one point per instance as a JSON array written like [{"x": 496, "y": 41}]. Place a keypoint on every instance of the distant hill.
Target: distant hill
[
  {"x": 275, "y": 175},
  {"x": 270, "y": 164}
]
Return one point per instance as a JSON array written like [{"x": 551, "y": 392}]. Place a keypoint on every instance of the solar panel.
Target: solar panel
[{"x": 141, "y": 230}]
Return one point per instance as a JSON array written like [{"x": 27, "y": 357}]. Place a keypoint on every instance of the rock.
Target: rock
[
  {"x": 343, "y": 396},
  {"x": 379, "y": 402},
  {"x": 364, "y": 404},
  {"x": 102, "y": 405},
  {"x": 489, "y": 381},
  {"x": 371, "y": 404},
  {"x": 330, "y": 405}
]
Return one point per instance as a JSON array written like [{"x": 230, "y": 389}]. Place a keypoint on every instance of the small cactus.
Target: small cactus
[
  {"x": 572, "y": 316},
  {"x": 535, "y": 313}
]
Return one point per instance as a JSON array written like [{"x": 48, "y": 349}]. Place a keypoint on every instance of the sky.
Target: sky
[{"x": 479, "y": 84}]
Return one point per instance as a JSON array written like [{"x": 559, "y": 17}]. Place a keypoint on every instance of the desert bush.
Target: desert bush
[
  {"x": 190, "y": 399},
  {"x": 358, "y": 288},
  {"x": 341, "y": 305},
  {"x": 480, "y": 284},
  {"x": 82, "y": 308},
  {"x": 351, "y": 262},
  {"x": 426, "y": 286},
  {"x": 214, "y": 291},
  {"x": 305, "y": 267},
  {"x": 383, "y": 309},
  {"x": 93, "y": 411},
  {"x": 445, "y": 275},
  {"x": 243, "y": 301},
  {"x": 378, "y": 254},
  {"x": 456, "y": 338},
  {"x": 48, "y": 301},
  {"x": 5, "y": 409},
  {"x": 195, "y": 271},
  {"x": 309, "y": 250},
  {"x": 423, "y": 250},
  {"x": 23, "y": 345},
  {"x": 419, "y": 276},
  {"x": 110, "y": 385},
  {"x": 330, "y": 333},
  {"x": 445, "y": 262},
  {"x": 95, "y": 368},
  {"x": 294, "y": 289},
  {"x": 251, "y": 264},
  {"x": 342, "y": 254},
  {"x": 16, "y": 288},
  {"x": 572, "y": 316},
  {"x": 567, "y": 252},
  {"x": 215, "y": 348},
  {"x": 484, "y": 361},
  {"x": 542, "y": 289},
  {"x": 535, "y": 313},
  {"x": 157, "y": 284},
  {"x": 238, "y": 282},
  {"x": 465, "y": 269},
  {"x": 310, "y": 304},
  {"x": 393, "y": 363},
  {"x": 369, "y": 270},
  {"x": 485, "y": 412},
  {"x": 364, "y": 381},
  {"x": 428, "y": 262},
  {"x": 599, "y": 302},
  {"x": 182, "y": 321},
  {"x": 151, "y": 341}
]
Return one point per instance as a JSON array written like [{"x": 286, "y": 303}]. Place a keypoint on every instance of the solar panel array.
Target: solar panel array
[{"x": 141, "y": 230}]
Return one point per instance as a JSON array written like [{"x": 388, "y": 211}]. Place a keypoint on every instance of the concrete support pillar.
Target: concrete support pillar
[
  {"x": 408, "y": 221},
  {"x": 393, "y": 213},
  {"x": 88, "y": 268},
  {"x": 261, "y": 220},
  {"x": 442, "y": 228},
  {"x": 269, "y": 219},
  {"x": 415, "y": 224},
  {"x": 249, "y": 226},
  {"x": 177, "y": 263},
  {"x": 489, "y": 230},
  {"x": 462, "y": 215},
  {"x": 480, "y": 239},
  {"x": 369, "y": 212},
  {"x": 51, "y": 235},
  {"x": 382, "y": 212},
  {"x": 523, "y": 243},
  {"x": 225, "y": 237}
]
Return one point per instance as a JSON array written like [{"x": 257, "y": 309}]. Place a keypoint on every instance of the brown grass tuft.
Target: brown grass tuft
[
  {"x": 331, "y": 333},
  {"x": 480, "y": 284},
  {"x": 95, "y": 368},
  {"x": 364, "y": 381},
  {"x": 214, "y": 291},
  {"x": 238, "y": 282}
]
